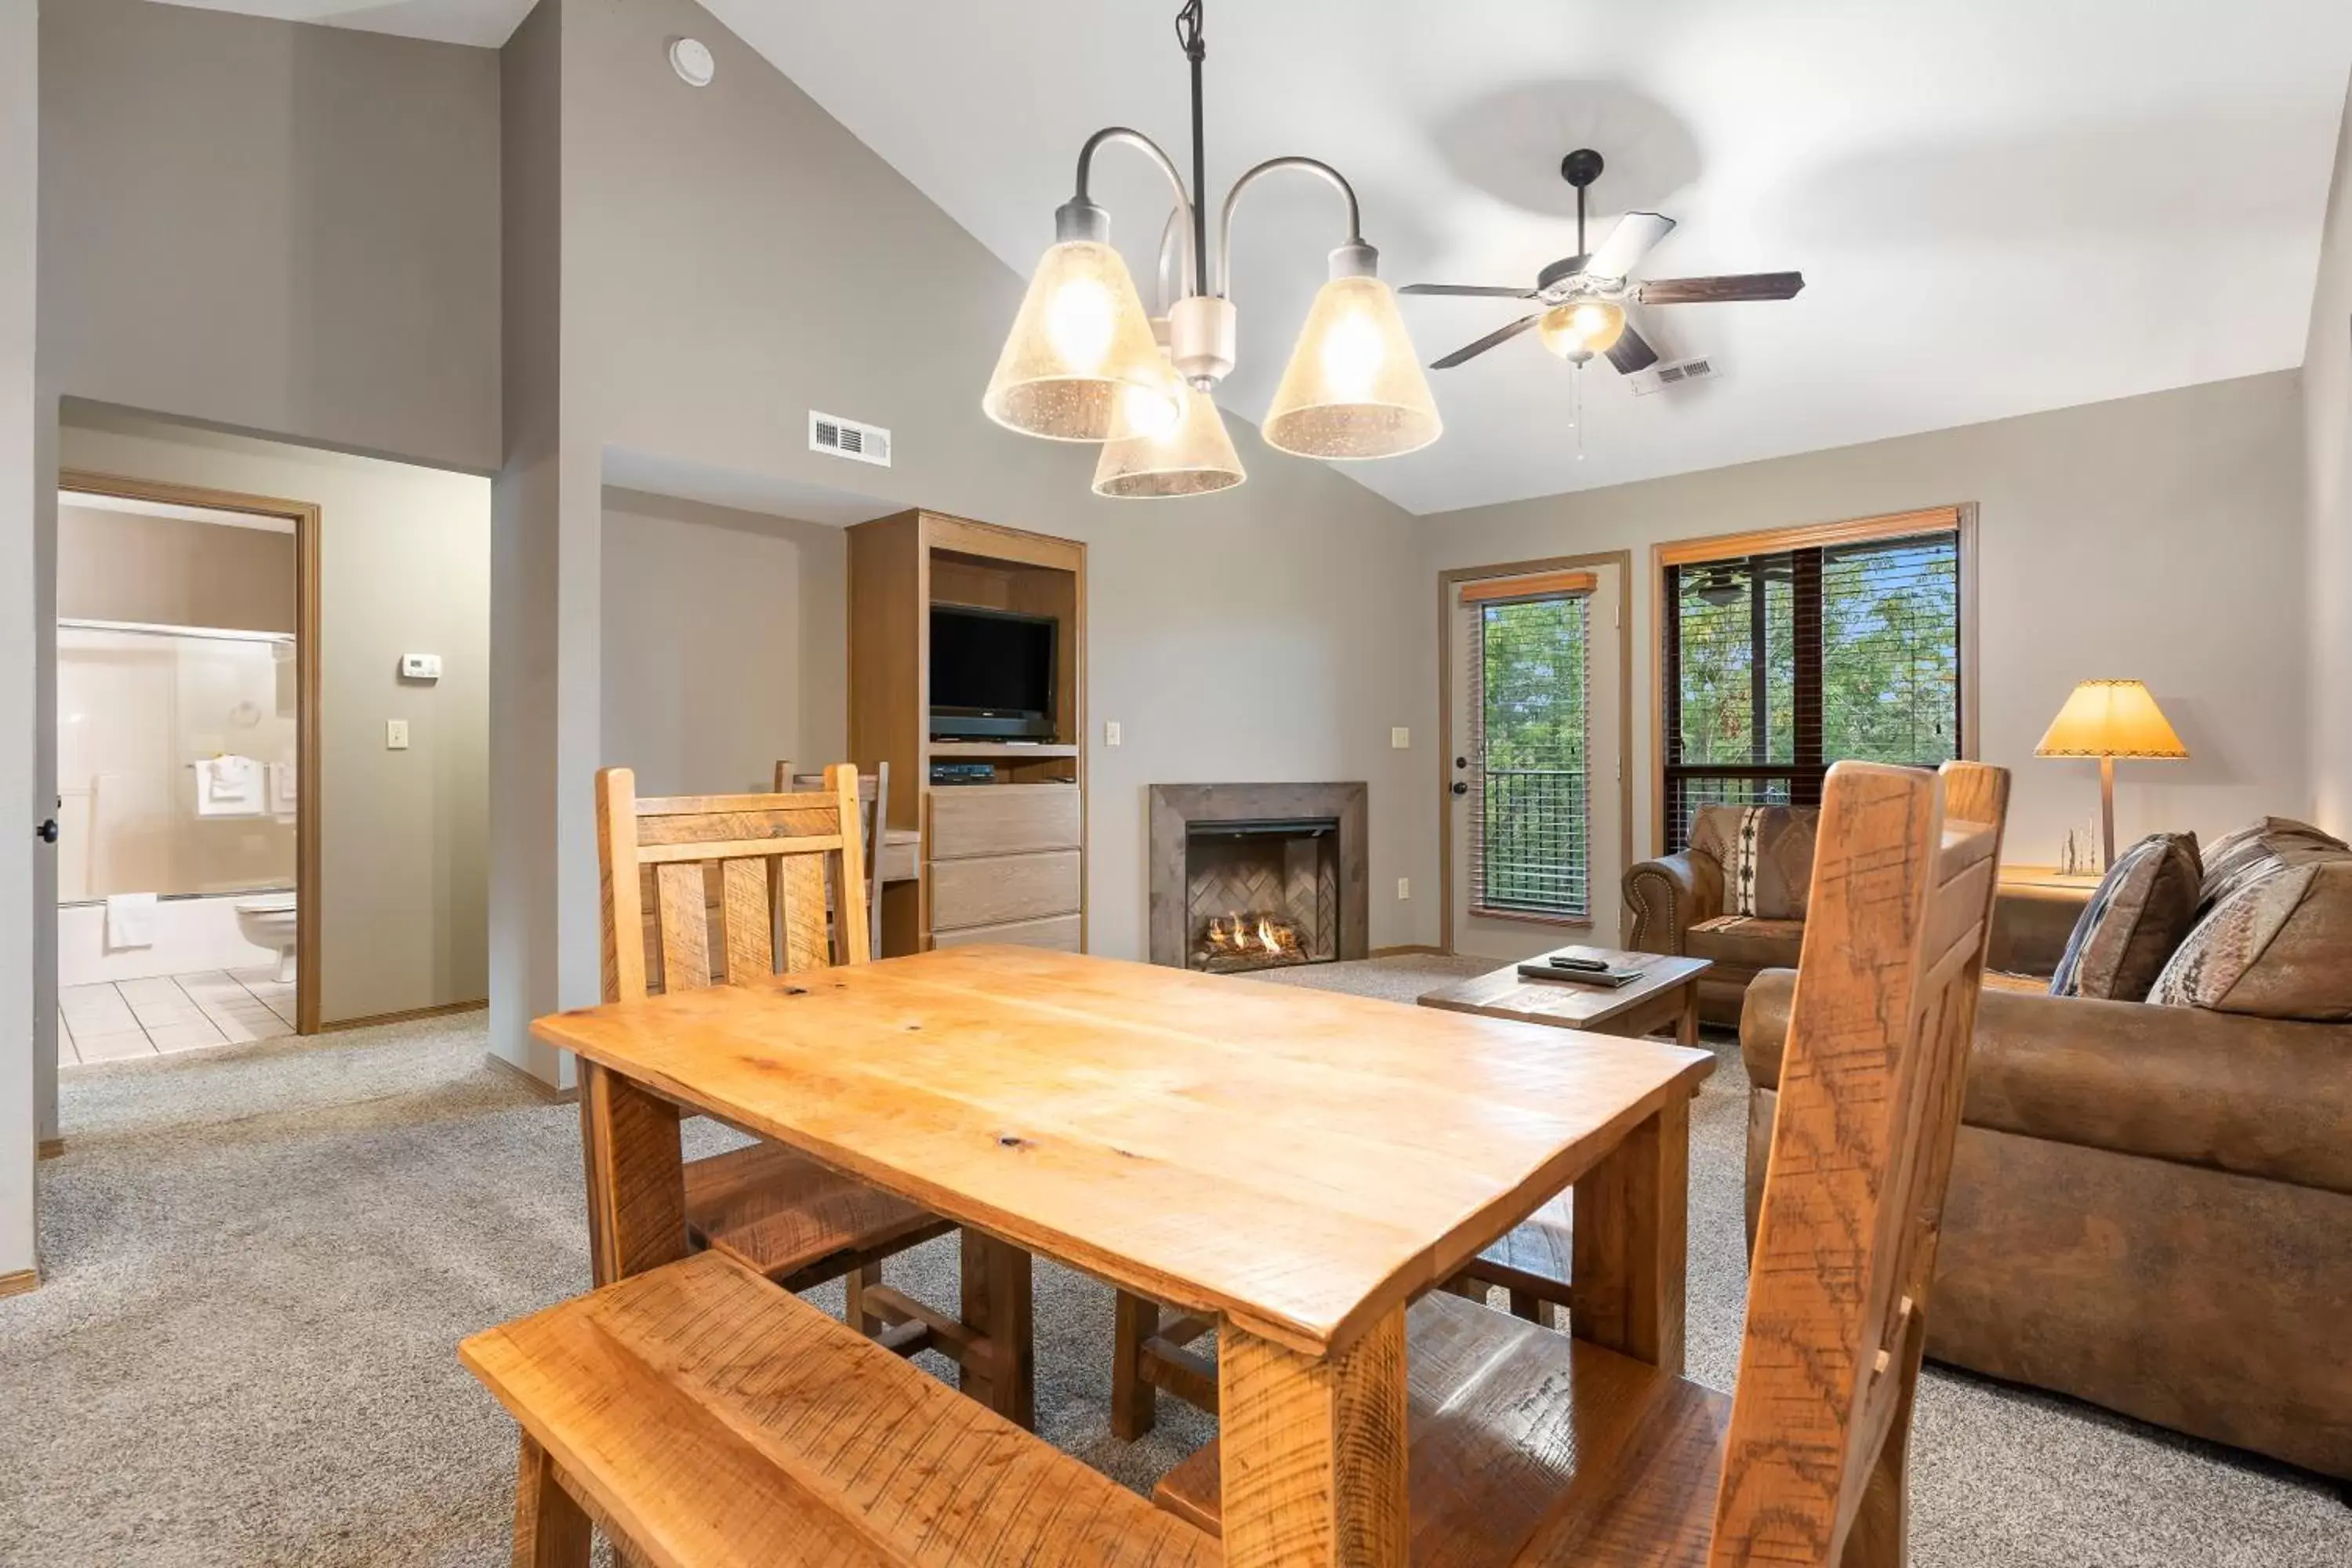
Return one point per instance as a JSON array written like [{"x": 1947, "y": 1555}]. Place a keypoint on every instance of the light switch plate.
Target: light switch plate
[
  {"x": 1401, "y": 738},
  {"x": 1404, "y": 887},
  {"x": 1111, "y": 731},
  {"x": 395, "y": 735}
]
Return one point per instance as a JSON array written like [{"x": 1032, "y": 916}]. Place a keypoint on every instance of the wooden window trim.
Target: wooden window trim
[{"x": 1959, "y": 518}]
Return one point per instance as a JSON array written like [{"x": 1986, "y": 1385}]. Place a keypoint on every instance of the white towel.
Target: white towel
[
  {"x": 225, "y": 787},
  {"x": 284, "y": 791},
  {"x": 130, "y": 920}
]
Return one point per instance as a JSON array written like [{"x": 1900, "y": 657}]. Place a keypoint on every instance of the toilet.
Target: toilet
[{"x": 269, "y": 922}]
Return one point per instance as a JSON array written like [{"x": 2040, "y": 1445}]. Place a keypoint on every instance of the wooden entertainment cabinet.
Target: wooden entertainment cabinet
[{"x": 1004, "y": 861}]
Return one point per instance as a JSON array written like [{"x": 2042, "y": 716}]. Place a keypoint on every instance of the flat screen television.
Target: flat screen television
[{"x": 991, "y": 673}]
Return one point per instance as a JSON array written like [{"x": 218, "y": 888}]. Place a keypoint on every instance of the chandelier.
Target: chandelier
[{"x": 1085, "y": 361}]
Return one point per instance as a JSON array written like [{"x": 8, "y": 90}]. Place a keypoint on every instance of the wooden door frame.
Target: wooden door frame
[
  {"x": 304, "y": 516},
  {"x": 1449, "y": 583},
  {"x": 1960, "y": 517}
]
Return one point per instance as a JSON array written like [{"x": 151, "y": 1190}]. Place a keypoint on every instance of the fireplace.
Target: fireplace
[{"x": 1248, "y": 877}]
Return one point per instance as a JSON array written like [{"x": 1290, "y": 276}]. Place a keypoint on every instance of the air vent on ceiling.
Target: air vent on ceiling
[
  {"x": 1674, "y": 373},
  {"x": 848, "y": 438}
]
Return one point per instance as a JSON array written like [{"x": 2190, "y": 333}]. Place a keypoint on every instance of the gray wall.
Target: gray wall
[
  {"x": 2328, "y": 445},
  {"x": 724, "y": 644},
  {"x": 403, "y": 567},
  {"x": 286, "y": 228},
  {"x": 22, "y": 417},
  {"x": 2158, "y": 538},
  {"x": 732, "y": 258},
  {"x": 172, "y": 571}
]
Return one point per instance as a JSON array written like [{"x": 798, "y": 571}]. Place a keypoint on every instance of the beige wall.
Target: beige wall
[
  {"x": 286, "y": 228},
  {"x": 2158, "y": 538},
  {"x": 403, "y": 563},
  {"x": 173, "y": 571},
  {"x": 724, "y": 644},
  {"x": 2328, "y": 444},
  {"x": 25, "y": 1082}
]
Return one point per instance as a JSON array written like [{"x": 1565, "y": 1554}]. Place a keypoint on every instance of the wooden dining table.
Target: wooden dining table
[{"x": 1299, "y": 1162}]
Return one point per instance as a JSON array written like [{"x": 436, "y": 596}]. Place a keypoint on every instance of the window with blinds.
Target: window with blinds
[
  {"x": 1778, "y": 664},
  {"x": 1530, "y": 823}
]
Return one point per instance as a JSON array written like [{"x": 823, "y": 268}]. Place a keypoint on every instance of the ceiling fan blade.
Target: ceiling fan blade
[
  {"x": 1632, "y": 352},
  {"x": 1718, "y": 290},
  {"x": 1469, "y": 291},
  {"x": 1627, "y": 243},
  {"x": 1472, "y": 350}
]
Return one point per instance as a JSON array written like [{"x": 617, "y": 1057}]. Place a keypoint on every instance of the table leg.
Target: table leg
[
  {"x": 1314, "y": 1451},
  {"x": 637, "y": 1176},
  {"x": 996, "y": 1302},
  {"x": 1632, "y": 1222},
  {"x": 1134, "y": 1400},
  {"x": 1687, "y": 1027}
]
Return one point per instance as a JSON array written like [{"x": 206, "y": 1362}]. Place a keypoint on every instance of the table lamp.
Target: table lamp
[{"x": 2106, "y": 720}]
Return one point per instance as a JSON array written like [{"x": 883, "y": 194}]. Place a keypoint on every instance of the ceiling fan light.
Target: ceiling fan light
[
  {"x": 1354, "y": 387},
  {"x": 1080, "y": 343},
  {"x": 1192, "y": 458},
  {"x": 1581, "y": 327}
]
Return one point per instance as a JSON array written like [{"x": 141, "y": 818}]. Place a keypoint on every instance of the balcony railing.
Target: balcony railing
[{"x": 1535, "y": 848}]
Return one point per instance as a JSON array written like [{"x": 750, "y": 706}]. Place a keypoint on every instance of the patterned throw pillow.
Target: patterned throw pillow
[
  {"x": 1766, "y": 853},
  {"x": 2274, "y": 949},
  {"x": 2146, "y": 903},
  {"x": 2241, "y": 858}
]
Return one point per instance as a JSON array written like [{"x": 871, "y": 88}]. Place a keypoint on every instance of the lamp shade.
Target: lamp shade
[
  {"x": 1353, "y": 387},
  {"x": 1193, "y": 458},
  {"x": 1080, "y": 343},
  {"x": 2110, "y": 718}
]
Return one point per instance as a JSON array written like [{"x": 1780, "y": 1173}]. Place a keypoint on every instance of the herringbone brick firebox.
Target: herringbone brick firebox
[{"x": 1255, "y": 875}]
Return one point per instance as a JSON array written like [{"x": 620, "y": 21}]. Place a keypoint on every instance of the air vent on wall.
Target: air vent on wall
[
  {"x": 1674, "y": 373},
  {"x": 848, "y": 438}
]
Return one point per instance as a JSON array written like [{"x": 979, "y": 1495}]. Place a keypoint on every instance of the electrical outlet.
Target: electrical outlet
[
  {"x": 395, "y": 735},
  {"x": 1404, "y": 887},
  {"x": 1111, "y": 731}
]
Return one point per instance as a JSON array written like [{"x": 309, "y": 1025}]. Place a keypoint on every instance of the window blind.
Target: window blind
[
  {"x": 1528, "y": 747},
  {"x": 1778, "y": 664}
]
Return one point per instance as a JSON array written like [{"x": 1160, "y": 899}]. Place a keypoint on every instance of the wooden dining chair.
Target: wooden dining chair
[
  {"x": 873, "y": 821},
  {"x": 732, "y": 890},
  {"x": 1530, "y": 1448}
]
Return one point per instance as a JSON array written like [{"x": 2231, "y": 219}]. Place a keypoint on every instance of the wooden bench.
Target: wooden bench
[{"x": 700, "y": 1416}]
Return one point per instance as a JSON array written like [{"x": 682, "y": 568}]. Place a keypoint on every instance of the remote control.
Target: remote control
[{"x": 1563, "y": 961}]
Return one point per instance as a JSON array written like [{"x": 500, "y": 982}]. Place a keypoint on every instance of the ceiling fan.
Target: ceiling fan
[{"x": 1583, "y": 298}]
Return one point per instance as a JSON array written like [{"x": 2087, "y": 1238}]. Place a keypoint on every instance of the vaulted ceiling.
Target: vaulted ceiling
[{"x": 1999, "y": 205}]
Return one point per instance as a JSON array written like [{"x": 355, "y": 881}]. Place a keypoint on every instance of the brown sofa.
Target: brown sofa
[{"x": 2151, "y": 1206}]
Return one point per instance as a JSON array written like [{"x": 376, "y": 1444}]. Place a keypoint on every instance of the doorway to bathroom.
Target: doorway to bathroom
[{"x": 187, "y": 827}]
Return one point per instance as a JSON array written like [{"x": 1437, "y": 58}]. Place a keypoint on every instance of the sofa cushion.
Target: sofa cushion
[
  {"x": 2275, "y": 948},
  {"x": 1747, "y": 941},
  {"x": 2236, "y": 859},
  {"x": 2146, "y": 903},
  {"x": 1766, "y": 853}
]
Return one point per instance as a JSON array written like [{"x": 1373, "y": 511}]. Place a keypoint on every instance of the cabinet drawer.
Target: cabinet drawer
[
  {"x": 996, "y": 888},
  {"x": 1002, "y": 819},
  {"x": 1059, "y": 932}
]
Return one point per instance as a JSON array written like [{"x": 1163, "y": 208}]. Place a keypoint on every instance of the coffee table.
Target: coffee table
[{"x": 1665, "y": 997}]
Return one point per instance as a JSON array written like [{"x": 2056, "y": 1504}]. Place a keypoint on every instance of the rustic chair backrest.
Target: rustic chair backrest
[
  {"x": 728, "y": 886},
  {"x": 1871, "y": 1086}
]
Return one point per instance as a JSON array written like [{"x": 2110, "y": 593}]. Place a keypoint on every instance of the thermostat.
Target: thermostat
[{"x": 420, "y": 666}]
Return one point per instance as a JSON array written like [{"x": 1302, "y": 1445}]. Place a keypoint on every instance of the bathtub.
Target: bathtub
[{"x": 193, "y": 933}]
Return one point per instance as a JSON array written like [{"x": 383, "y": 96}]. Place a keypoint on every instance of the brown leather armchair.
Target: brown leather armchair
[{"x": 2151, "y": 1207}]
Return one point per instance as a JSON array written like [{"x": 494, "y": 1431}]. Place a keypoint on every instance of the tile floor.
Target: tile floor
[{"x": 171, "y": 1013}]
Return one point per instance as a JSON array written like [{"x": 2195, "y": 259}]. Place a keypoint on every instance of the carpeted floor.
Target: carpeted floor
[{"x": 259, "y": 1258}]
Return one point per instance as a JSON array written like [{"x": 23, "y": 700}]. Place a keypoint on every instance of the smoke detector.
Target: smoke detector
[{"x": 692, "y": 60}]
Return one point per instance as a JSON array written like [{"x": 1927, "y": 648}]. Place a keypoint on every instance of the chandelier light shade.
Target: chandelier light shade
[
  {"x": 1582, "y": 329},
  {"x": 1195, "y": 457},
  {"x": 1081, "y": 353},
  {"x": 1354, "y": 387}
]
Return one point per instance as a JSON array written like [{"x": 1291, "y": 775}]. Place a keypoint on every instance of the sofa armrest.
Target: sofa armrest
[
  {"x": 2256, "y": 1097},
  {"x": 2031, "y": 927},
  {"x": 1668, "y": 896}
]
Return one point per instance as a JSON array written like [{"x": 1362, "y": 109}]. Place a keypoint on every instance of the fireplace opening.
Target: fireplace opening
[{"x": 1262, "y": 893}]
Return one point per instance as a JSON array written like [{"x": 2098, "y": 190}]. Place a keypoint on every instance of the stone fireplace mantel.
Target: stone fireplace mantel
[{"x": 1176, "y": 809}]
